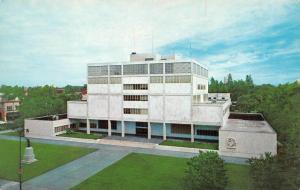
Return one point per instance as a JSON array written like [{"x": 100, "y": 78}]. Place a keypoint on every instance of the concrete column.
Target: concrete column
[
  {"x": 109, "y": 127},
  {"x": 164, "y": 132},
  {"x": 149, "y": 130},
  {"x": 123, "y": 129},
  {"x": 192, "y": 133},
  {"x": 88, "y": 129}
]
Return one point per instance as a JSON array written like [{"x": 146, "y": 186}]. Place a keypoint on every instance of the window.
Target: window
[
  {"x": 141, "y": 124},
  {"x": 207, "y": 132},
  {"x": 102, "y": 124},
  {"x": 113, "y": 124},
  {"x": 135, "y": 69},
  {"x": 135, "y": 111},
  {"x": 98, "y": 80},
  {"x": 198, "y": 70},
  {"x": 178, "y": 79},
  {"x": 156, "y": 79},
  {"x": 156, "y": 68},
  {"x": 149, "y": 59},
  {"x": 180, "y": 129},
  {"x": 60, "y": 128},
  {"x": 93, "y": 125},
  {"x": 115, "y": 80},
  {"x": 9, "y": 108},
  {"x": 97, "y": 70},
  {"x": 135, "y": 98},
  {"x": 82, "y": 125},
  {"x": 201, "y": 86},
  {"x": 115, "y": 69},
  {"x": 135, "y": 86},
  {"x": 177, "y": 68}
]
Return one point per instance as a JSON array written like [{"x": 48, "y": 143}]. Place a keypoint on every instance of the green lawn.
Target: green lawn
[
  {"x": 82, "y": 135},
  {"x": 49, "y": 157},
  {"x": 141, "y": 171},
  {"x": 203, "y": 145}
]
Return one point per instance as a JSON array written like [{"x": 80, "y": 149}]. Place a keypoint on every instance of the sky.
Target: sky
[{"x": 51, "y": 41}]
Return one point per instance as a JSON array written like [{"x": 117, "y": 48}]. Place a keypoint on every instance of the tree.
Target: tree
[
  {"x": 206, "y": 171},
  {"x": 230, "y": 81},
  {"x": 249, "y": 80},
  {"x": 264, "y": 173}
]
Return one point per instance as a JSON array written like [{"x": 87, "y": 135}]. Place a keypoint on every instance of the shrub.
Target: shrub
[
  {"x": 69, "y": 131},
  {"x": 206, "y": 172}
]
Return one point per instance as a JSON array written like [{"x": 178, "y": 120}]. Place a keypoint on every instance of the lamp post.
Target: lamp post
[{"x": 20, "y": 158}]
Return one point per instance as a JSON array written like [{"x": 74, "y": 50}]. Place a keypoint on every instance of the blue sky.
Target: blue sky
[{"x": 50, "y": 41}]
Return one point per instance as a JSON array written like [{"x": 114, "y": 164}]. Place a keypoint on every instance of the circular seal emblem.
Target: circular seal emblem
[{"x": 230, "y": 143}]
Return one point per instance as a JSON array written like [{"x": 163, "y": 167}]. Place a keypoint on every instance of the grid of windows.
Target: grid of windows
[
  {"x": 139, "y": 111},
  {"x": 60, "y": 128},
  {"x": 180, "y": 129},
  {"x": 178, "y": 79},
  {"x": 201, "y": 86},
  {"x": 115, "y": 80},
  {"x": 157, "y": 68},
  {"x": 156, "y": 79},
  {"x": 207, "y": 132},
  {"x": 135, "y": 86},
  {"x": 98, "y": 80},
  {"x": 177, "y": 68},
  {"x": 135, "y": 98},
  {"x": 197, "y": 69},
  {"x": 97, "y": 70},
  {"x": 115, "y": 69},
  {"x": 135, "y": 69}
]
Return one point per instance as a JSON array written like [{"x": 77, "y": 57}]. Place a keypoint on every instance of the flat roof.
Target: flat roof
[
  {"x": 247, "y": 122},
  {"x": 51, "y": 117}
]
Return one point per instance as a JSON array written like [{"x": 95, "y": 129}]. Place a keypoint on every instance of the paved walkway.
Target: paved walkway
[
  {"x": 135, "y": 139},
  {"x": 6, "y": 131},
  {"x": 73, "y": 173},
  {"x": 5, "y": 184}
]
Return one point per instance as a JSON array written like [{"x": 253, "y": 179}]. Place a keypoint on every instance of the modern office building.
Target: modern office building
[
  {"x": 151, "y": 96},
  {"x": 160, "y": 97}
]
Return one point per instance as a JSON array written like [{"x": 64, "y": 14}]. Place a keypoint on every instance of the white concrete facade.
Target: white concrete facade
[
  {"x": 164, "y": 90},
  {"x": 41, "y": 127}
]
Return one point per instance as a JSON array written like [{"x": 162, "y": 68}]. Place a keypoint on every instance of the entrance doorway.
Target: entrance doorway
[{"x": 141, "y": 129}]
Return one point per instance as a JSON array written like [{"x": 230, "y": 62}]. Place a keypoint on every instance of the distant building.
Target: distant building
[
  {"x": 8, "y": 108},
  {"x": 59, "y": 90},
  {"x": 84, "y": 94}
]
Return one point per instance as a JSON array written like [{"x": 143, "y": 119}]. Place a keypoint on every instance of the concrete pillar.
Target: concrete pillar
[
  {"x": 149, "y": 130},
  {"x": 109, "y": 127},
  {"x": 164, "y": 132},
  {"x": 88, "y": 129},
  {"x": 192, "y": 133},
  {"x": 123, "y": 129}
]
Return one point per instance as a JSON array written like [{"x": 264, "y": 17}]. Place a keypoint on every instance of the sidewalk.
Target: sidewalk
[{"x": 73, "y": 173}]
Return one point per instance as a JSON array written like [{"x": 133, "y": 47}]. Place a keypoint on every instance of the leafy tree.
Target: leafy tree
[
  {"x": 264, "y": 173},
  {"x": 206, "y": 171},
  {"x": 249, "y": 80}
]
